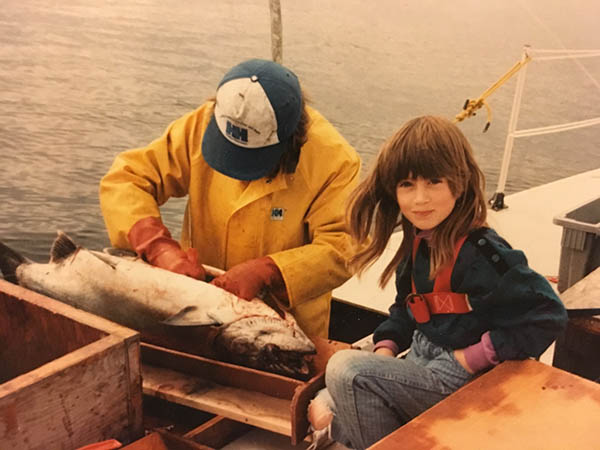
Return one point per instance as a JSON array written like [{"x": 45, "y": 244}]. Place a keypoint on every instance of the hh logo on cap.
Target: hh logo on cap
[{"x": 237, "y": 133}]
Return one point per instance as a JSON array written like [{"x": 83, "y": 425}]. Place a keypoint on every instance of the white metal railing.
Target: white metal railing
[{"x": 497, "y": 201}]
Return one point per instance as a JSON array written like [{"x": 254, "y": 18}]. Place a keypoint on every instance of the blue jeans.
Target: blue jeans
[{"x": 372, "y": 395}]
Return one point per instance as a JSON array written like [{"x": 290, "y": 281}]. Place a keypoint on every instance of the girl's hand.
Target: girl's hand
[
  {"x": 384, "y": 351},
  {"x": 459, "y": 354}
]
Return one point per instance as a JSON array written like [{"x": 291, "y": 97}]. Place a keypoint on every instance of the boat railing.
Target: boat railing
[{"x": 529, "y": 54}]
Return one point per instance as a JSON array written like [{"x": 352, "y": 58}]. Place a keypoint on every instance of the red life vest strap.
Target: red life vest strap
[{"x": 441, "y": 300}]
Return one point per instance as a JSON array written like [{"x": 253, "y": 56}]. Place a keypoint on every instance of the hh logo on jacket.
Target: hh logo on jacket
[{"x": 277, "y": 214}]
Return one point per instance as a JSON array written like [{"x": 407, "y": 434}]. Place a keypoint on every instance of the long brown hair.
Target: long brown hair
[
  {"x": 291, "y": 155},
  {"x": 429, "y": 147}
]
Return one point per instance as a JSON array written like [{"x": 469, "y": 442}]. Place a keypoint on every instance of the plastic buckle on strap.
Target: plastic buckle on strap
[{"x": 418, "y": 307}]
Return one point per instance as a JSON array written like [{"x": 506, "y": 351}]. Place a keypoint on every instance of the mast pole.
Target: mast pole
[{"x": 276, "y": 31}]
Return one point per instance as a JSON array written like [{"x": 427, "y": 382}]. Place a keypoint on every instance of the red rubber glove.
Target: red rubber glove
[
  {"x": 152, "y": 241},
  {"x": 248, "y": 279}
]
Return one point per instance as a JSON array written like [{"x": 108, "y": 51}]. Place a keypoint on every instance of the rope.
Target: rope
[{"x": 471, "y": 106}]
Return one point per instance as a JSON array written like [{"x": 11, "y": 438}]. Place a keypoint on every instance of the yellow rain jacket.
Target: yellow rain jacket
[{"x": 297, "y": 219}]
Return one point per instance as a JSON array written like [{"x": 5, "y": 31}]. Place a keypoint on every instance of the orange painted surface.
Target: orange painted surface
[{"x": 518, "y": 404}]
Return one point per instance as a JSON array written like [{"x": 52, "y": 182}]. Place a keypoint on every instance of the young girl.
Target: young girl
[{"x": 465, "y": 299}]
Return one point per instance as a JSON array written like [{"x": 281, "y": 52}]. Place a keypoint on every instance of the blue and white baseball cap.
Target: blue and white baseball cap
[{"x": 258, "y": 107}]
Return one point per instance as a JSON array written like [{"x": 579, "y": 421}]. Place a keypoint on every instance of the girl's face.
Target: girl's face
[{"x": 425, "y": 202}]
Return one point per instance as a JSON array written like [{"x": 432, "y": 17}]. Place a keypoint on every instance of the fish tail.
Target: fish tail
[{"x": 9, "y": 261}]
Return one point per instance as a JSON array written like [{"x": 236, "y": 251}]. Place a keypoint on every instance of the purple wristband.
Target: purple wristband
[
  {"x": 481, "y": 355},
  {"x": 387, "y": 343}
]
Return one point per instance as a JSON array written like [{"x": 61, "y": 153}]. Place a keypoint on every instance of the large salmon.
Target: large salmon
[{"x": 146, "y": 298}]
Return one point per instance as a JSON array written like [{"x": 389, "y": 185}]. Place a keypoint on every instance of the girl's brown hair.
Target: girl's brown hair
[{"x": 429, "y": 147}]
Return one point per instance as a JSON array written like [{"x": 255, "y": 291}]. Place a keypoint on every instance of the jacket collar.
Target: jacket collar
[{"x": 262, "y": 187}]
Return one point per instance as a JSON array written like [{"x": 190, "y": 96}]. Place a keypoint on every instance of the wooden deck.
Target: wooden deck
[{"x": 519, "y": 404}]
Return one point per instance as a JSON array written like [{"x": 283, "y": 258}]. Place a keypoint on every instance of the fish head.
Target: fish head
[{"x": 267, "y": 343}]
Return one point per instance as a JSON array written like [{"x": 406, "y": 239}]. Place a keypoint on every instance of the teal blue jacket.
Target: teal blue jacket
[{"x": 516, "y": 304}]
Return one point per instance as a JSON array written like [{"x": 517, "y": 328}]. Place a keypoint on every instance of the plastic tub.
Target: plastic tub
[{"x": 580, "y": 243}]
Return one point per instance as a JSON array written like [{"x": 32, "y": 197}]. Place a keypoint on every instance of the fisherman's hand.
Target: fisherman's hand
[
  {"x": 176, "y": 260},
  {"x": 248, "y": 279},
  {"x": 152, "y": 241}
]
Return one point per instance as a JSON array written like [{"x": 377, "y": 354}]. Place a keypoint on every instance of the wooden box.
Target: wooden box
[
  {"x": 577, "y": 349},
  {"x": 260, "y": 399},
  {"x": 67, "y": 378},
  {"x": 163, "y": 440}
]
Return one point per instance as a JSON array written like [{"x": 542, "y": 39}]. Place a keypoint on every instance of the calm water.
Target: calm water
[{"x": 81, "y": 80}]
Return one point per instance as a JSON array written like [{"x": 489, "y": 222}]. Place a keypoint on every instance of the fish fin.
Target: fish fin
[
  {"x": 62, "y": 247},
  {"x": 9, "y": 261},
  {"x": 185, "y": 318}
]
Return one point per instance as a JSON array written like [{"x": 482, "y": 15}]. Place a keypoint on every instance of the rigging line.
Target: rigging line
[{"x": 553, "y": 34}]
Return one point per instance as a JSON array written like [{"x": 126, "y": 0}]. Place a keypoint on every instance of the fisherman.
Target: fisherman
[{"x": 267, "y": 178}]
